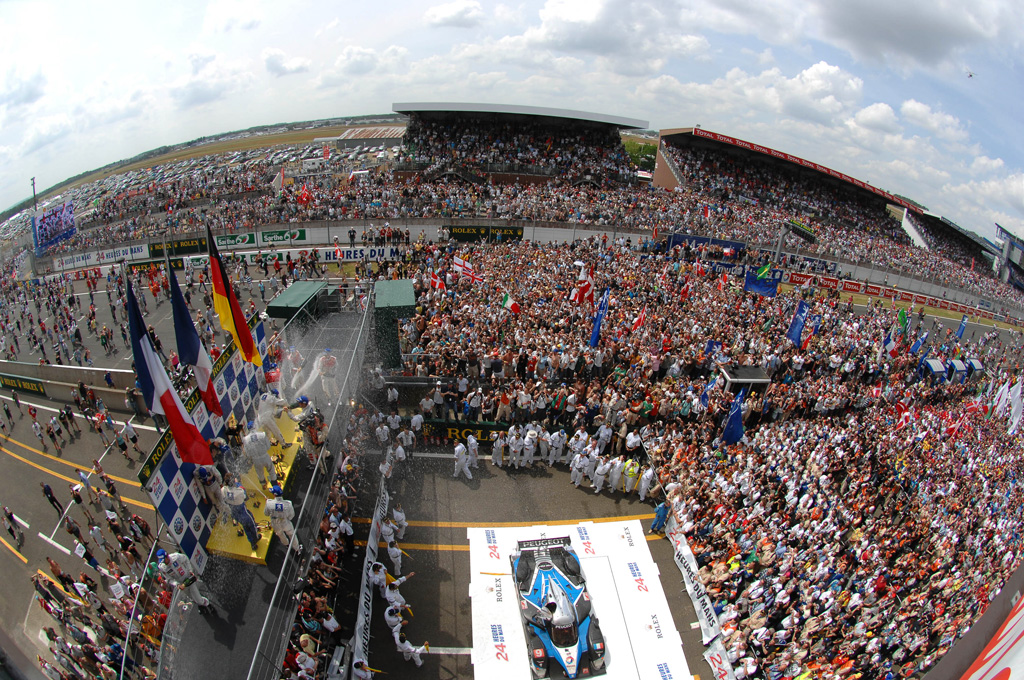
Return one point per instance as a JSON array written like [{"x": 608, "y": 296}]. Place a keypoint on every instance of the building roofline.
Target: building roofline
[{"x": 519, "y": 110}]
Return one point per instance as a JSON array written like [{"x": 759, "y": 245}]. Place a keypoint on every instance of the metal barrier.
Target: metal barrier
[{"x": 277, "y": 625}]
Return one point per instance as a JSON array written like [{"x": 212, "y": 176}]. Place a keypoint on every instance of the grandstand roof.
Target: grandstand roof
[
  {"x": 516, "y": 110},
  {"x": 788, "y": 158},
  {"x": 939, "y": 220}
]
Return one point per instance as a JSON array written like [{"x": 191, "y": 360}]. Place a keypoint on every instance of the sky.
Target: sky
[{"x": 878, "y": 89}]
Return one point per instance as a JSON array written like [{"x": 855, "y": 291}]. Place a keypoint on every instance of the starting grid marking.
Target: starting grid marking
[{"x": 623, "y": 581}]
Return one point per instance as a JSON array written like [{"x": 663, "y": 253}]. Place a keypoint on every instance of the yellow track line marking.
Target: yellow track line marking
[
  {"x": 14, "y": 550},
  {"x": 67, "y": 479},
  {"x": 492, "y": 525},
  {"x": 449, "y": 547},
  {"x": 133, "y": 483},
  {"x": 433, "y": 547},
  {"x": 74, "y": 596}
]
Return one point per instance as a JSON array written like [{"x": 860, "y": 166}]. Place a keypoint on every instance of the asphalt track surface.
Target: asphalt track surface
[{"x": 439, "y": 508}]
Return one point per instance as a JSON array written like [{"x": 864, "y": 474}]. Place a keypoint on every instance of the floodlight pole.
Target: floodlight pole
[
  {"x": 35, "y": 203},
  {"x": 778, "y": 246}
]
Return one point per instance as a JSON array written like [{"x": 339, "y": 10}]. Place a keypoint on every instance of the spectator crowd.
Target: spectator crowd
[{"x": 866, "y": 517}]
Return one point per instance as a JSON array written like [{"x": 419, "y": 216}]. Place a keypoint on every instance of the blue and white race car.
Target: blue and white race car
[{"x": 558, "y": 615}]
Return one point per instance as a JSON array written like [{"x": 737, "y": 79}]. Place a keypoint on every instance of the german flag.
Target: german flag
[{"x": 226, "y": 305}]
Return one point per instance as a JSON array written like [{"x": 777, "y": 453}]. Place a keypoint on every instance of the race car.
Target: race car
[{"x": 558, "y": 615}]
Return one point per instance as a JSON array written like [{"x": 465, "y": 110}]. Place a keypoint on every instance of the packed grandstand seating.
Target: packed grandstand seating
[
  {"x": 745, "y": 200},
  {"x": 869, "y": 515},
  {"x": 556, "y": 150},
  {"x": 839, "y": 536}
]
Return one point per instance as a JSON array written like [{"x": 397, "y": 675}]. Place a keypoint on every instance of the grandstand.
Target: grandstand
[
  {"x": 503, "y": 144},
  {"x": 698, "y": 138},
  {"x": 563, "y": 168}
]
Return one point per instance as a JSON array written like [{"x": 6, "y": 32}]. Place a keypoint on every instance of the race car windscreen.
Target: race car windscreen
[{"x": 563, "y": 636}]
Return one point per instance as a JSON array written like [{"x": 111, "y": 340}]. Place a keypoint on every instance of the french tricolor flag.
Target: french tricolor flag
[
  {"x": 159, "y": 393},
  {"x": 190, "y": 348}
]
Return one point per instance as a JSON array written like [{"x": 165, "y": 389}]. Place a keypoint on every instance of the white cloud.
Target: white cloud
[
  {"x": 329, "y": 28},
  {"x": 45, "y": 131},
  {"x": 916, "y": 32},
  {"x": 200, "y": 61},
  {"x": 19, "y": 91},
  {"x": 457, "y": 14},
  {"x": 821, "y": 93},
  {"x": 279, "y": 65},
  {"x": 355, "y": 61},
  {"x": 984, "y": 164},
  {"x": 942, "y": 125},
  {"x": 999, "y": 200},
  {"x": 214, "y": 81},
  {"x": 225, "y": 16},
  {"x": 903, "y": 34},
  {"x": 627, "y": 36},
  {"x": 878, "y": 116}
]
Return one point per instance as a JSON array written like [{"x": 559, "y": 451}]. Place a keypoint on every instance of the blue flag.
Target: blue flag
[
  {"x": 733, "y": 431},
  {"x": 796, "y": 326},
  {"x": 191, "y": 350},
  {"x": 602, "y": 309},
  {"x": 766, "y": 287},
  {"x": 920, "y": 364},
  {"x": 963, "y": 327},
  {"x": 705, "y": 395},
  {"x": 712, "y": 346},
  {"x": 815, "y": 320},
  {"x": 916, "y": 347}
]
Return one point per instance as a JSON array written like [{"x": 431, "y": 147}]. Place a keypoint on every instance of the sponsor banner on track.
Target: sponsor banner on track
[
  {"x": 687, "y": 563},
  {"x": 236, "y": 240},
  {"x": 274, "y": 236},
  {"x": 718, "y": 658},
  {"x": 852, "y": 286},
  {"x": 365, "y": 606},
  {"x": 17, "y": 382}
]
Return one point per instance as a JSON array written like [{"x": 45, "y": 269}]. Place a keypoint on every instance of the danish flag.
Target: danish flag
[{"x": 639, "y": 320}]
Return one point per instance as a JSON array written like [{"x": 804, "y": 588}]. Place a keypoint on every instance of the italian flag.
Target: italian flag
[{"x": 508, "y": 303}]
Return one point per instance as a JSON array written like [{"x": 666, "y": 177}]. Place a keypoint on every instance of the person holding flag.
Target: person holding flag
[
  {"x": 889, "y": 345},
  {"x": 437, "y": 282},
  {"x": 639, "y": 322},
  {"x": 916, "y": 347},
  {"x": 158, "y": 392},
  {"x": 796, "y": 326},
  {"x": 602, "y": 310},
  {"x": 191, "y": 350},
  {"x": 733, "y": 431},
  {"x": 232, "y": 320},
  {"x": 902, "y": 323},
  {"x": 511, "y": 305},
  {"x": 584, "y": 290}
]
